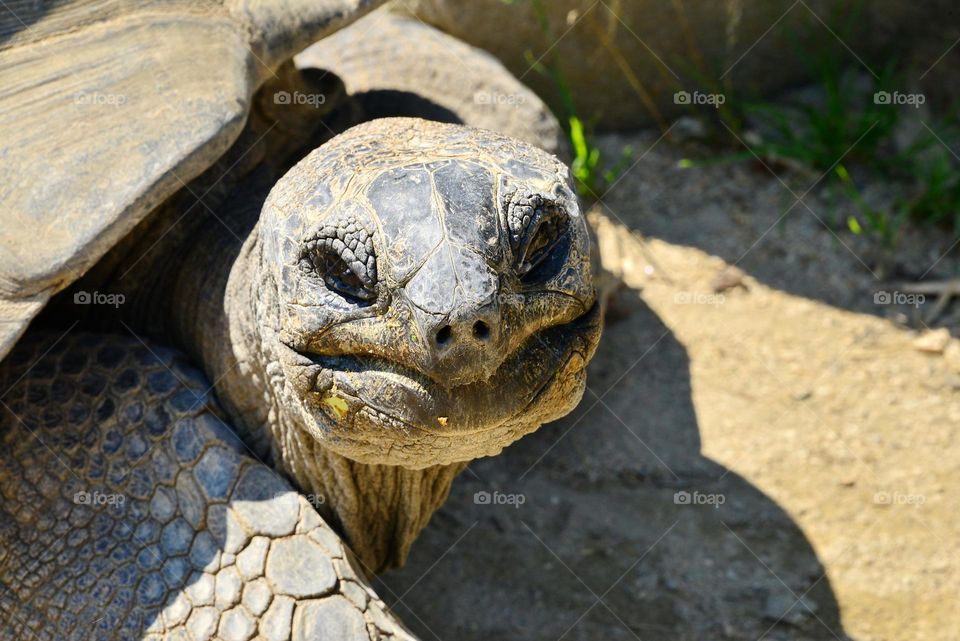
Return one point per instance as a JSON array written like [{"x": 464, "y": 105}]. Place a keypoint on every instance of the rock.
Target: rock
[
  {"x": 727, "y": 278},
  {"x": 688, "y": 128},
  {"x": 648, "y": 37},
  {"x": 848, "y": 479},
  {"x": 933, "y": 341}
]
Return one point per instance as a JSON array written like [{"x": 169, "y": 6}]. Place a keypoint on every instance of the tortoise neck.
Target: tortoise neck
[
  {"x": 199, "y": 319},
  {"x": 379, "y": 509}
]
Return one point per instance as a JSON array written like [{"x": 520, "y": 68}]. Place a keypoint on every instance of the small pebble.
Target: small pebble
[
  {"x": 727, "y": 278},
  {"x": 933, "y": 341}
]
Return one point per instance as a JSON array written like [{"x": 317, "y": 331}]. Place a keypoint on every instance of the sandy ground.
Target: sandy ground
[{"x": 776, "y": 461}]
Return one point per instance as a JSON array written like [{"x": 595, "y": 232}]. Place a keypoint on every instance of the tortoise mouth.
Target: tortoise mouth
[{"x": 348, "y": 387}]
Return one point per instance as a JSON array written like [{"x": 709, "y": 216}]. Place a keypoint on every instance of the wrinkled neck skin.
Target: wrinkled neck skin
[{"x": 230, "y": 323}]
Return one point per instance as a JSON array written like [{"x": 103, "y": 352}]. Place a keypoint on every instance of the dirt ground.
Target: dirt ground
[{"x": 776, "y": 461}]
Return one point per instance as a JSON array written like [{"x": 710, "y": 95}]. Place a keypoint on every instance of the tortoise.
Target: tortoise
[{"x": 224, "y": 419}]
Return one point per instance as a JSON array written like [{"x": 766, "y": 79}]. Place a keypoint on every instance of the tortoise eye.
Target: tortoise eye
[
  {"x": 543, "y": 247},
  {"x": 539, "y": 235},
  {"x": 343, "y": 278},
  {"x": 342, "y": 255}
]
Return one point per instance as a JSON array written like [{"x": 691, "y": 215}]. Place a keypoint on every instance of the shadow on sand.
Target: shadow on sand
[{"x": 610, "y": 524}]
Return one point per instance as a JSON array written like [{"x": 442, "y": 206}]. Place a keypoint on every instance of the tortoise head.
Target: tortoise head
[{"x": 424, "y": 293}]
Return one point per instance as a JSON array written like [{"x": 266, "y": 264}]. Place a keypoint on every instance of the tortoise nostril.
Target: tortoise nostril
[
  {"x": 481, "y": 330},
  {"x": 443, "y": 336}
]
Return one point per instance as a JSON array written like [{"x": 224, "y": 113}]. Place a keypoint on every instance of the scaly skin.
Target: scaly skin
[{"x": 130, "y": 511}]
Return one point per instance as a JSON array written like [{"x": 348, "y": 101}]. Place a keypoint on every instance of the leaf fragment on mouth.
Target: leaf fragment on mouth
[{"x": 337, "y": 405}]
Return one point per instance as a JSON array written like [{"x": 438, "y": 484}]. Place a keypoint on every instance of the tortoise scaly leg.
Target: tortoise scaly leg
[{"x": 130, "y": 511}]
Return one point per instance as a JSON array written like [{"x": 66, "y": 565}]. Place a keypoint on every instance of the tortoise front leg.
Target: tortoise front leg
[{"x": 130, "y": 511}]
